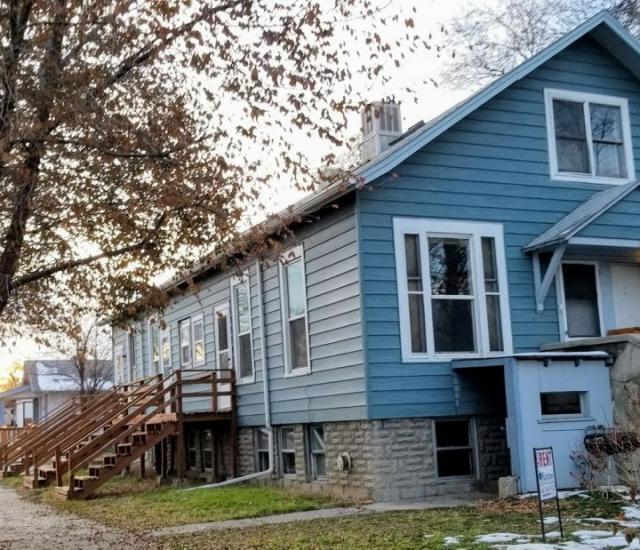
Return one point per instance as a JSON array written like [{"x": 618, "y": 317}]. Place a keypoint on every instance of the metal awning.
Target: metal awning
[{"x": 564, "y": 233}]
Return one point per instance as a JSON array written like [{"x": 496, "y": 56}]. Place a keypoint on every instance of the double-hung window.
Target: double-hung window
[
  {"x": 165, "y": 351},
  {"x": 454, "y": 444},
  {"x": 154, "y": 347},
  {"x": 198, "y": 341},
  {"x": 589, "y": 137},
  {"x": 294, "y": 311},
  {"x": 241, "y": 302},
  {"x": 262, "y": 449},
  {"x": 184, "y": 328},
  {"x": 452, "y": 288}
]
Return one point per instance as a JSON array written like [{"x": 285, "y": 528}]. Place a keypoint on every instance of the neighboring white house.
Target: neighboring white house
[{"x": 46, "y": 385}]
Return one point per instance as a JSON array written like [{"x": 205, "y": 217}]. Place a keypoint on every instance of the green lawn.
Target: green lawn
[
  {"x": 403, "y": 530},
  {"x": 138, "y": 505}
]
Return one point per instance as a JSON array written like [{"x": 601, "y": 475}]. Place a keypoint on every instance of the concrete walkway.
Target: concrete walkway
[
  {"x": 445, "y": 501},
  {"x": 25, "y": 525}
]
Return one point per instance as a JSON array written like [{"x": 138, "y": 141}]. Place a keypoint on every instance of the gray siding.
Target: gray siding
[{"x": 335, "y": 388}]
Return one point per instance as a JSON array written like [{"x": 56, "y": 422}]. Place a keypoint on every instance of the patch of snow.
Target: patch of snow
[
  {"x": 568, "y": 494},
  {"x": 631, "y": 512},
  {"x": 493, "y": 538},
  {"x": 549, "y": 520},
  {"x": 451, "y": 541},
  {"x": 591, "y": 534}
]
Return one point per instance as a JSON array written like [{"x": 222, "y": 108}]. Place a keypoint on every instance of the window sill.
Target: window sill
[
  {"x": 452, "y": 479},
  {"x": 452, "y": 357},
  {"x": 579, "y": 178},
  {"x": 561, "y": 419},
  {"x": 245, "y": 381},
  {"x": 297, "y": 372}
]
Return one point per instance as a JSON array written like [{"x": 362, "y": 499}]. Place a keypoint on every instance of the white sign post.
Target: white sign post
[{"x": 546, "y": 483}]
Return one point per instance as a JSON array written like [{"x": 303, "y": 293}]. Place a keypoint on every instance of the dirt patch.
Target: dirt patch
[{"x": 26, "y": 525}]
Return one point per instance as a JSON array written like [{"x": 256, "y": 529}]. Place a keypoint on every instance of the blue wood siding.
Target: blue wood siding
[
  {"x": 491, "y": 166},
  {"x": 335, "y": 388}
]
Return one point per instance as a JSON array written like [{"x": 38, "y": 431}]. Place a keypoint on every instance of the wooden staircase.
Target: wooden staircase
[{"x": 93, "y": 438}]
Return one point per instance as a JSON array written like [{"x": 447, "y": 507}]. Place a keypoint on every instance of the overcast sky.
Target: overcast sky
[{"x": 432, "y": 100}]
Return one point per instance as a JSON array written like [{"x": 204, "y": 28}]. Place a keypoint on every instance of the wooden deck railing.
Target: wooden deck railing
[{"x": 9, "y": 433}]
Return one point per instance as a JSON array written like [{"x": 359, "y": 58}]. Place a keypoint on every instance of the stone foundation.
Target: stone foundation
[{"x": 391, "y": 459}]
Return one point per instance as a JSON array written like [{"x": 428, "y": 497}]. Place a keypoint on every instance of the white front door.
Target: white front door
[{"x": 626, "y": 294}]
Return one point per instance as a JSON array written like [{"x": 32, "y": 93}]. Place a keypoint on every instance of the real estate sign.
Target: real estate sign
[
  {"x": 546, "y": 473},
  {"x": 546, "y": 482}
]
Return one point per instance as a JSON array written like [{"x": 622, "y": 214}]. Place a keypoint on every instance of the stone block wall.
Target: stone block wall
[{"x": 391, "y": 459}]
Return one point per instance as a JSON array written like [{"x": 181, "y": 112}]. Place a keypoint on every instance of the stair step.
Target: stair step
[
  {"x": 123, "y": 449},
  {"x": 95, "y": 470},
  {"x": 109, "y": 460},
  {"x": 139, "y": 438}
]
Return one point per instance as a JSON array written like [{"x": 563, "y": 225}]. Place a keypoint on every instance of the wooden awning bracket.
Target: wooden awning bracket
[{"x": 543, "y": 284}]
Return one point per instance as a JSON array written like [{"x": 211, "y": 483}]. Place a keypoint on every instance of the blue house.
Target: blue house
[{"x": 428, "y": 329}]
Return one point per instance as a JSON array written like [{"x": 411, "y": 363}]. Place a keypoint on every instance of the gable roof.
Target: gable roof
[
  {"x": 603, "y": 27},
  {"x": 583, "y": 215},
  {"x": 58, "y": 375}
]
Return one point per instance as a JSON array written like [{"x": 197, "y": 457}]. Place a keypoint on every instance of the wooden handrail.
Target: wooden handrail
[{"x": 44, "y": 437}]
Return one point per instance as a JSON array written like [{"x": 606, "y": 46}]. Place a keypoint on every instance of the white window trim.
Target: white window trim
[
  {"x": 150, "y": 323},
  {"x": 584, "y": 407},
  {"x": 296, "y": 253},
  {"x": 189, "y": 364},
  {"x": 282, "y": 450},
  {"x": 165, "y": 333},
  {"x": 244, "y": 279},
  {"x": 562, "y": 304},
  {"x": 226, "y": 307},
  {"x": 131, "y": 353},
  {"x": 473, "y": 442},
  {"x": 549, "y": 95},
  {"x": 197, "y": 318},
  {"x": 474, "y": 231}
]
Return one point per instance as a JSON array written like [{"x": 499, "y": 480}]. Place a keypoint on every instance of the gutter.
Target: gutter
[{"x": 267, "y": 403}]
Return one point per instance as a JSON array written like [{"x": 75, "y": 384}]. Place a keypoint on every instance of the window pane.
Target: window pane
[
  {"x": 295, "y": 289},
  {"x": 416, "y": 319},
  {"x": 606, "y": 123},
  {"x": 489, "y": 264},
  {"x": 198, "y": 351},
  {"x": 166, "y": 350},
  {"x": 412, "y": 254},
  {"x": 298, "y": 343},
  {"x": 198, "y": 339},
  {"x": 495, "y": 323},
  {"x": 243, "y": 308},
  {"x": 571, "y": 138},
  {"x": 567, "y": 402},
  {"x": 609, "y": 159},
  {"x": 452, "y": 433},
  {"x": 223, "y": 335},
  {"x": 207, "y": 450},
  {"x": 320, "y": 465},
  {"x": 458, "y": 462},
  {"x": 288, "y": 463},
  {"x": 449, "y": 265},
  {"x": 287, "y": 438},
  {"x": 581, "y": 300},
  {"x": 185, "y": 342},
  {"x": 263, "y": 440},
  {"x": 569, "y": 119},
  {"x": 453, "y": 325},
  {"x": 317, "y": 439},
  {"x": 246, "y": 366},
  {"x": 573, "y": 156}
]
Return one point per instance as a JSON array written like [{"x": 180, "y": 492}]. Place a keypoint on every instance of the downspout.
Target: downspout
[{"x": 265, "y": 393}]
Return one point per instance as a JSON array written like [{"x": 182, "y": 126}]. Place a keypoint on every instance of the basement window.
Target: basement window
[
  {"x": 317, "y": 452},
  {"x": 287, "y": 451},
  {"x": 454, "y": 448},
  {"x": 562, "y": 403},
  {"x": 207, "y": 450},
  {"x": 262, "y": 449}
]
